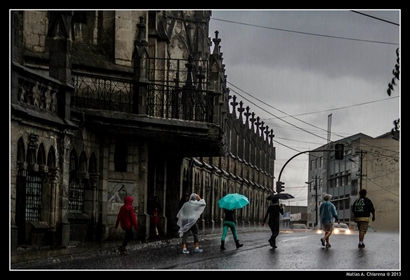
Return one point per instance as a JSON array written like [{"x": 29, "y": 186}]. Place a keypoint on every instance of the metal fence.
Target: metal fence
[{"x": 177, "y": 89}]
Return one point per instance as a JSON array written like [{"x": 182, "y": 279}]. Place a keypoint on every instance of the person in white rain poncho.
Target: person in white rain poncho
[{"x": 187, "y": 216}]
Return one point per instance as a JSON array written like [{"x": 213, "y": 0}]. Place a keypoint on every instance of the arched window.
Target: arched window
[
  {"x": 75, "y": 188},
  {"x": 51, "y": 158},
  {"x": 92, "y": 165},
  {"x": 31, "y": 156},
  {"x": 83, "y": 163},
  {"x": 21, "y": 152},
  {"x": 41, "y": 155}
]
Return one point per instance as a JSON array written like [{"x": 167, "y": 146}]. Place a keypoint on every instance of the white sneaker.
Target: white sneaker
[
  {"x": 185, "y": 251},
  {"x": 198, "y": 250}
]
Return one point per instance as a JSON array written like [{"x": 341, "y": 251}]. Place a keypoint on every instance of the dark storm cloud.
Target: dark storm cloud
[{"x": 333, "y": 57}]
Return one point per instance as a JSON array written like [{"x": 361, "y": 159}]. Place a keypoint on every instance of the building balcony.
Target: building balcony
[
  {"x": 39, "y": 97},
  {"x": 182, "y": 115}
]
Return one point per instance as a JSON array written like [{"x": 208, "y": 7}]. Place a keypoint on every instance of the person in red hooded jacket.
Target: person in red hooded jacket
[{"x": 127, "y": 219}]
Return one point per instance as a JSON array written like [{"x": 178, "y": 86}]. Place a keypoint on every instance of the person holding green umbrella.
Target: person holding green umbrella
[{"x": 230, "y": 202}]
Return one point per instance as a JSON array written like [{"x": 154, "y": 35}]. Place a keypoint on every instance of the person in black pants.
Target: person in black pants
[{"x": 273, "y": 212}]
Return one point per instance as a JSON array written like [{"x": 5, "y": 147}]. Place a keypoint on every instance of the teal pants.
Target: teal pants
[{"x": 232, "y": 226}]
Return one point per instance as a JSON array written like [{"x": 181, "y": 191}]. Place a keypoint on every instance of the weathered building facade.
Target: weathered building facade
[
  {"x": 109, "y": 103},
  {"x": 369, "y": 163},
  {"x": 247, "y": 168}
]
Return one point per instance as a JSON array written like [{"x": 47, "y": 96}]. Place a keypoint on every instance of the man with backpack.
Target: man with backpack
[{"x": 361, "y": 210}]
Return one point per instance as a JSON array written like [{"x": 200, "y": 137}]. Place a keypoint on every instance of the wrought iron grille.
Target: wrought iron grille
[
  {"x": 102, "y": 92},
  {"x": 179, "y": 103},
  {"x": 75, "y": 196},
  {"x": 170, "y": 94},
  {"x": 33, "y": 195},
  {"x": 173, "y": 72}
]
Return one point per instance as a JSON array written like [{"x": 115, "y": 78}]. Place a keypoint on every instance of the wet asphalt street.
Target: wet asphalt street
[{"x": 296, "y": 251}]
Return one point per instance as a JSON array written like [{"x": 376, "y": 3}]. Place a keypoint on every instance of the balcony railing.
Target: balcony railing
[
  {"x": 35, "y": 91},
  {"x": 102, "y": 92},
  {"x": 170, "y": 92}
]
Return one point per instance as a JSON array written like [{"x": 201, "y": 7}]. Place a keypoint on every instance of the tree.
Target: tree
[{"x": 396, "y": 73}]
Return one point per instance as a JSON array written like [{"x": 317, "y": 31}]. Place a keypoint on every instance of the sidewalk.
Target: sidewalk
[{"x": 92, "y": 249}]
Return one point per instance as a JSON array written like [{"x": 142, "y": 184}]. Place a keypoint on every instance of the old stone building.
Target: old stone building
[{"x": 109, "y": 103}]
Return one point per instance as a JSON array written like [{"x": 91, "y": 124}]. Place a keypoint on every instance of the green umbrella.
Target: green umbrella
[{"x": 233, "y": 201}]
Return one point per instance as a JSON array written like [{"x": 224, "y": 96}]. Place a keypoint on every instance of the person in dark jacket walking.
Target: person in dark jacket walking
[
  {"x": 127, "y": 219},
  {"x": 229, "y": 222},
  {"x": 361, "y": 210},
  {"x": 273, "y": 212}
]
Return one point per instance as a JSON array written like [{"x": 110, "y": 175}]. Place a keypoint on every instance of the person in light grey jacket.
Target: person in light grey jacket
[{"x": 187, "y": 216}]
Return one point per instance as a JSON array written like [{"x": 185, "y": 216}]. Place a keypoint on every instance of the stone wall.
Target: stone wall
[{"x": 35, "y": 25}]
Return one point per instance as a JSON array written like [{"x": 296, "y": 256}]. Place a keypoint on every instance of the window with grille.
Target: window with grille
[
  {"x": 76, "y": 196},
  {"x": 75, "y": 187},
  {"x": 34, "y": 187}
]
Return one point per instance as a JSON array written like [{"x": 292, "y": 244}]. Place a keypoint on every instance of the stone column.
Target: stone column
[
  {"x": 142, "y": 184},
  {"x": 140, "y": 64},
  {"x": 64, "y": 183},
  {"x": 92, "y": 201},
  {"x": 53, "y": 207},
  {"x": 59, "y": 41},
  {"x": 163, "y": 219}
]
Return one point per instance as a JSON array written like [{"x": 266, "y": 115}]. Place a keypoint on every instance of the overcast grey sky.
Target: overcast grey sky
[{"x": 299, "y": 73}]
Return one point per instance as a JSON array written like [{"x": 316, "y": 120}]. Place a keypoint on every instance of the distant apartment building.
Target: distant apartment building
[{"x": 369, "y": 163}]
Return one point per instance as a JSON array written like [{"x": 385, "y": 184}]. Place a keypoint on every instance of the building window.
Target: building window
[
  {"x": 339, "y": 181},
  {"x": 120, "y": 156},
  {"x": 341, "y": 204},
  {"x": 354, "y": 187},
  {"x": 75, "y": 188},
  {"x": 347, "y": 203}
]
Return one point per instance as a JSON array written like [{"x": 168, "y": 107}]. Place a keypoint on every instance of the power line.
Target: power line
[
  {"x": 276, "y": 116},
  {"x": 286, "y": 146},
  {"x": 383, "y": 188},
  {"x": 283, "y": 111},
  {"x": 307, "y": 33},
  {"x": 340, "y": 108},
  {"x": 299, "y": 141},
  {"x": 375, "y": 17},
  {"x": 273, "y": 125}
]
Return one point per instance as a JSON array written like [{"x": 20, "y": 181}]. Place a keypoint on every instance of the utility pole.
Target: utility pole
[
  {"x": 316, "y": 200},
  {"x": 361, "y": 168}
]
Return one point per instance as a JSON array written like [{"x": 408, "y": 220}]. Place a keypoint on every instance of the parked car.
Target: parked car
[
  {"x": 299, "y": 228},
  {"x": 341, "y": 228}
]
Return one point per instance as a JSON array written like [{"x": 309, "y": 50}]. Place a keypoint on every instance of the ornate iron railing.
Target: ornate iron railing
[
  {"x": 186, "y": 103},
  {"x": 102, "y": 92},
  {"x": 176, "y": 89}
]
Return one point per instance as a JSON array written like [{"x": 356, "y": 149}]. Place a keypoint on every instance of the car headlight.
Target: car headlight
[
  {"x": 336, "y": 231},
  {"x": 348, "y": 231},
  {"x": 319, "y": 231}
]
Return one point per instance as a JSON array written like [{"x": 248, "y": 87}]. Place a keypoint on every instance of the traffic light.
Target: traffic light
[
  {"x": 339, "y": 151},
  {"x": 280, "y": 186}
]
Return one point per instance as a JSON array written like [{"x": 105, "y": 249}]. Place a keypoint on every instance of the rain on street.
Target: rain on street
[{"x": 296, "y": 251}]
